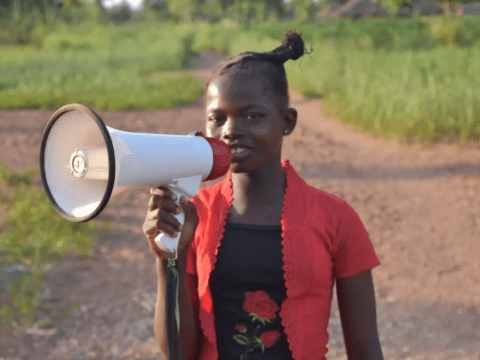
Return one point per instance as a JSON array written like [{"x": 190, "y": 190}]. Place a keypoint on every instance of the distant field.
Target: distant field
[
  {"x": 109, "y": 68},
  {"x": 409, "y": 78}
]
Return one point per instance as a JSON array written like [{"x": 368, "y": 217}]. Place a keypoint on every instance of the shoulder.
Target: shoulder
[
  {"x": 325, "y": 209},
  {"x": 317, "y": 200}
]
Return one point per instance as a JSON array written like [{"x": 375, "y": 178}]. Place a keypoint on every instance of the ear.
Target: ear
[{"x": 290, "y": 119}]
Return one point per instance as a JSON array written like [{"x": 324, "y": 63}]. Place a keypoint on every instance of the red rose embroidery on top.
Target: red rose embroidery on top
[
  {"x": 262, "y": 310},
  {"x": 260, "y": 304},
  {"x": 240, "y": 327},
  {"x": 269, "y": 338}
]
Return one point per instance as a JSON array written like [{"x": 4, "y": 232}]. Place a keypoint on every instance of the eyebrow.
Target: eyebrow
[{"x": 242, "y": 108}]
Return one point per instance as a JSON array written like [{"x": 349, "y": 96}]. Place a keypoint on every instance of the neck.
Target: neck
[{"x": 259, "y": 191}]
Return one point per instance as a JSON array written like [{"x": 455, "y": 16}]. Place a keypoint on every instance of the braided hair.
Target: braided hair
[{"x": 269, "y": 64}]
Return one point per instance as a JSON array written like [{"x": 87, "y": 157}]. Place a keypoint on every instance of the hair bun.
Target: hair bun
[{"x": 295, "y": 43}]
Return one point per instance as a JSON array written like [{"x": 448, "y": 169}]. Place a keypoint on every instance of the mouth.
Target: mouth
[{"x": 239, "y": 151}]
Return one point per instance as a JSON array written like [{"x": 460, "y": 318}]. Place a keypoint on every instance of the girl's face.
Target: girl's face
[{"x": 242, "y": 111}]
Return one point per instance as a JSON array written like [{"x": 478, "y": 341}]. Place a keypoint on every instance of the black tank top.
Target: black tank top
[{"x": 248, "y": 289}]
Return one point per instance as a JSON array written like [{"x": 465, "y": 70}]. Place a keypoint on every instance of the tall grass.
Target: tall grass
[
  {"x": 398, "y": 77},
  {"x": 428, "y": 94},
  {"x": 109, "y": 68},
  {"x": 387, "y": 84}
]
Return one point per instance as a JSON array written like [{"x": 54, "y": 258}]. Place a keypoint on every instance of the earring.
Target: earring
[{"x": 286, "y": 132}]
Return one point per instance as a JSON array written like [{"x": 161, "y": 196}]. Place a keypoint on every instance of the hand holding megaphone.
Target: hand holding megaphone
[
  {"x": 83, "y": 162},
  {"x": 163, "y": 207}
]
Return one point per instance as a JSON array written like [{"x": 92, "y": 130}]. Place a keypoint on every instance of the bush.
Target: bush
[{"x": 448, "y": 31}]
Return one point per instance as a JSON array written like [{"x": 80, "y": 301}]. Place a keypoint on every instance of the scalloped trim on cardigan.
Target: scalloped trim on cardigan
[{"x": 293, "y": 180}]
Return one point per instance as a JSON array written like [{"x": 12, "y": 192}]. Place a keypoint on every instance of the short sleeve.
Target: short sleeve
[{"x": 354, "y": 252}]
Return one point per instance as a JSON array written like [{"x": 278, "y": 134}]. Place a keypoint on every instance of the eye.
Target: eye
[
  {"x": 254, "y": 116},
  {"x": 216, "y": 119}
]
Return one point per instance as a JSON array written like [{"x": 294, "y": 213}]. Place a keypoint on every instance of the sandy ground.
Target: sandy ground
[{"x": 421, "y": 205}]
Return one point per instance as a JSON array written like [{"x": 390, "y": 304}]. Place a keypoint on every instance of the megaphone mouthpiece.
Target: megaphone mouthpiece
[{"x": 221, "y": 159}]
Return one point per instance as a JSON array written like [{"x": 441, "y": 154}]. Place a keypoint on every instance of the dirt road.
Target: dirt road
[{"x": 421, "y": 205}]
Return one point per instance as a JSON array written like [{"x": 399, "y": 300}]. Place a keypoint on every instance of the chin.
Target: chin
[
  {"x": 241, "y": 168},
  {"x": 237, "y": 169}
]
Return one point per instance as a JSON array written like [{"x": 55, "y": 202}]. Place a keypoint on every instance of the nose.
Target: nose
[{"x": 230, "y": 130}]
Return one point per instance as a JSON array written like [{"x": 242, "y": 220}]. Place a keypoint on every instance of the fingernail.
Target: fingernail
[
  {"x": 180, "y": 228},
  {"x": 178, "y": 210},
  {"x": 174, "y": 197}
]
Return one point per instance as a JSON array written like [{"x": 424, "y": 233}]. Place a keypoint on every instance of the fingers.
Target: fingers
[
  {"x": 164, "y": 216},
  {"x": 161, "y": 213},
  {"x": 160, "y": 199},
  {"x": 188, "y": 207},
  {"x": 163, "y": 192},
  {"x": 159, "y": 207},
  {"x": 163, "y": 221}
]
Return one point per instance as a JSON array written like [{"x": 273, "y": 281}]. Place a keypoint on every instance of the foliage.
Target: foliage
[
  {"x": 425, "y": 94},
  {"x": 183, "y": 10},
  {"x": 448, "y": 31},
  {"x": 392, "y": 77},
  {"x": 121, "y": 13},
  {"x": 393, "y": 5},
  {"x": 305, "y": 10},
  {"x": 214, "y": 38},
  {"x": 128, "y": 68},
  {"x": 35, "y": 235},
  {"x": 105, "y": 67}
]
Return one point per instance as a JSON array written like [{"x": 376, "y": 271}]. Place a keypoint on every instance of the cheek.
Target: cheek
[
  {"x": 263, "y": 130},
  {"x": 211, "y": 131},
  {"x": 270, "y": 133}
]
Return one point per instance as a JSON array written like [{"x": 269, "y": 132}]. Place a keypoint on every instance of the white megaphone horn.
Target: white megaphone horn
[{"x": 83, "y": 162}]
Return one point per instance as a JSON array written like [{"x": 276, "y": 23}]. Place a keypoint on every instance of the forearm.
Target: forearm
[
  {"x": 189, "y": 326},
  {"x": 356, "y": 302},
  {"x": 160, "y": 309},
  {"x": 367, "y": 349},
  {"x": 188, "y": 322}
]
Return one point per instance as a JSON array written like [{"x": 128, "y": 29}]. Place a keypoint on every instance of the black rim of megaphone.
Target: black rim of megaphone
[{"x": 111, "y": 160}]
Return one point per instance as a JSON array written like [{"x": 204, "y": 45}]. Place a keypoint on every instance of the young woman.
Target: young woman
[{"x": 260, "y": 251}]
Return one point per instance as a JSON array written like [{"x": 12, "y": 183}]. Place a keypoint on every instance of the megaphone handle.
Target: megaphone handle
[{"x": 187, "y": 187}]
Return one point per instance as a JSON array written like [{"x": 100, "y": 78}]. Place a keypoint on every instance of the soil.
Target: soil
[{"x": 420, "y": 204}]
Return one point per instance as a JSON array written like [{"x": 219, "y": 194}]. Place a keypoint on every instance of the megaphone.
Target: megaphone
[{"x": 83, "y": 163}]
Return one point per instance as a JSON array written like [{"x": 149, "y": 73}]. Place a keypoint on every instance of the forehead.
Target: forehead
[{"x": 239, "y": 89}]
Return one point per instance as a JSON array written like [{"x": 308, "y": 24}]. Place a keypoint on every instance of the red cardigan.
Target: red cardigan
[{"x": 322, "y": 237}]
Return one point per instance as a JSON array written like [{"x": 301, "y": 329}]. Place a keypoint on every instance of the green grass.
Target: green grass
[
  {"x": 409, "y": 78},
  {"x": 33, "y": 234},
  {"x": 428, "y": 95},
  {"x": 109, "y": 68},
  {"x": 410, "y": 92}
]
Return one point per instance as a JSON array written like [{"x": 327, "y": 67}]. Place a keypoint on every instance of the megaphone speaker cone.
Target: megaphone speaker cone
[{"x": 77, "y": 162}]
